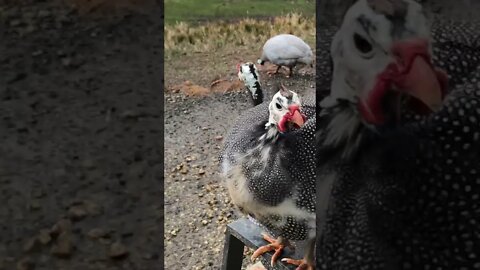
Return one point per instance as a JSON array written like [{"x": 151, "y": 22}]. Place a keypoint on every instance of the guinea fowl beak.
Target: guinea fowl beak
[
  {"x": 416, "y": 75},
  {"x": 413, "y": 74},
  {"x": 293, "y": 116}
]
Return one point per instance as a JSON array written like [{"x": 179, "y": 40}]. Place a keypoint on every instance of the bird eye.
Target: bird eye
[
  {"x": 278, "y": 106},
  {"x": 362, "y": 44}
]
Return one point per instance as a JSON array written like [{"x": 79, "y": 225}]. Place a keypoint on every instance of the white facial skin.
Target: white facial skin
[
  {"x": 355, "y": 70},
  {"x": 278, "y": 107}
]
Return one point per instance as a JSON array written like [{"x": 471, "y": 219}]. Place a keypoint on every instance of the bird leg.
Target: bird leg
[
  {"x": 290, "y": 70},
  {"x": 275, "y": 244},
  {"x": 270, "y": 73},
  {"x": 307, "y": 263}
]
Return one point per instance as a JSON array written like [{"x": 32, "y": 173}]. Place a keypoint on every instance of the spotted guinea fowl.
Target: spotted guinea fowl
[
  {"x": 286, "y": 50},
  {"x": 396, "y": 192},
  {"x": 269, "y": 168}
]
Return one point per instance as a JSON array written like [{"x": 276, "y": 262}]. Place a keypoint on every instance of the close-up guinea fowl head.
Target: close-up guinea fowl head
[
  {"x": 382, "y": 62},
  {"x": 285, "y": 111}
]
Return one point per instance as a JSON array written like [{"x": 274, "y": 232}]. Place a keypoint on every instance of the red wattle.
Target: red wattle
[{"x": 282, "y": 123}]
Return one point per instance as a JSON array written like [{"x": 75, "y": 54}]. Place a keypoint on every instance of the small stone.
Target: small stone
[
  {"x": 148, "y": 256},
  {"x": 204, "y": 222},
  {"x": 60, "y": 172},
  {"x": 64, "y": 225},
  {"x": 15, "y": 22},
  {"x": 219, "y": 138},
  {"x": 63, "y": 245},
  {"x": 88, "y": 164},
  {"x": 35, "y": 205},
  {"x": 44, "y": 237},
  {"x": 201, "y": 172},
  {"x": 38, "y": 193},
  {"x": 117, "y": 251},
  {"x": 25, "y": 264},
  {"x": 43, "y": 13},
  {"x": 92, "y": 208},
  {"x": 66, "y": 61},
  {"x": 184, "y": 170},
  {"x": 30, "y": 245},
  {"x": 77, "y": 212},
  {"x": 105, "y": 240},
  {"x": 97, "y": 233}
]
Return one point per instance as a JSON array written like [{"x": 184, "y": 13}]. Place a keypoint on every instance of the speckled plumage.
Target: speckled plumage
[
  {"x": 408, "y": 196},
  {"x": 286, "y": 50}
]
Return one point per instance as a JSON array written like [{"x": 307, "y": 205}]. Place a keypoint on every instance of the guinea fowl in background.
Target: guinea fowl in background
[
  {"x": 286, "y": 50},
  {"x": 398, "y": 192},
  {"x": 248, "y": 74},
  {"x": 269, "y": 166}
]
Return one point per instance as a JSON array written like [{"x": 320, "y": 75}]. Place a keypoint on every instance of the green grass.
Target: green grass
[{"x": 199, "y": 10}]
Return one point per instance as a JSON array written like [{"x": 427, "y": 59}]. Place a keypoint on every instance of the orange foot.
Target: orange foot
[
  {"x": 302, "y": 264},
  {"x": 275, "y": 244}
]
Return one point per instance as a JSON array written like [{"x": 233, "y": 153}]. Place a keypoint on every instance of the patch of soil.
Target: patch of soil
[{"x": 80, "y": 128}]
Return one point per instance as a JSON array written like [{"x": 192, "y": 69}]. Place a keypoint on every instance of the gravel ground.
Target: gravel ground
[
  {"x": 80, "y": 131},
  {"x": 197, "y": 205}
]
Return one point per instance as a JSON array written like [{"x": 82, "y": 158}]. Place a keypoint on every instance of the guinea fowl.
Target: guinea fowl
[
  {"x": 396, "y": 192},
  {"x": 269, "y": 165},
  {"x": 248, "y": 74},
  {"x": 286, "y": 50}
]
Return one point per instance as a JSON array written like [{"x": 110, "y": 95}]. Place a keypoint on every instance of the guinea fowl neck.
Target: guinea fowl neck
[
  {"x": 271, "y": 133},
  {"x": 256, "y": 92}
]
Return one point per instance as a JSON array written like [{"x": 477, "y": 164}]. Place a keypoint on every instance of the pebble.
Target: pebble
[
  {"x": 117, "y": 250},
  {"x": 30, "y": 245},
  {"x": 64, "y": 225},
  {"x": 25, "y": 264},
  {"x": 96, "y": 233},
  {"x": 63, "y": 246},
  {"x": 35, "y": 205},
  {"x": 77, "y": 212},
  {"x": 44, "y": 237}
]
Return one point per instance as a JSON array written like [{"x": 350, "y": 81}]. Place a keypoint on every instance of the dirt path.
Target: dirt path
[{"x": 80, "y": 128}]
